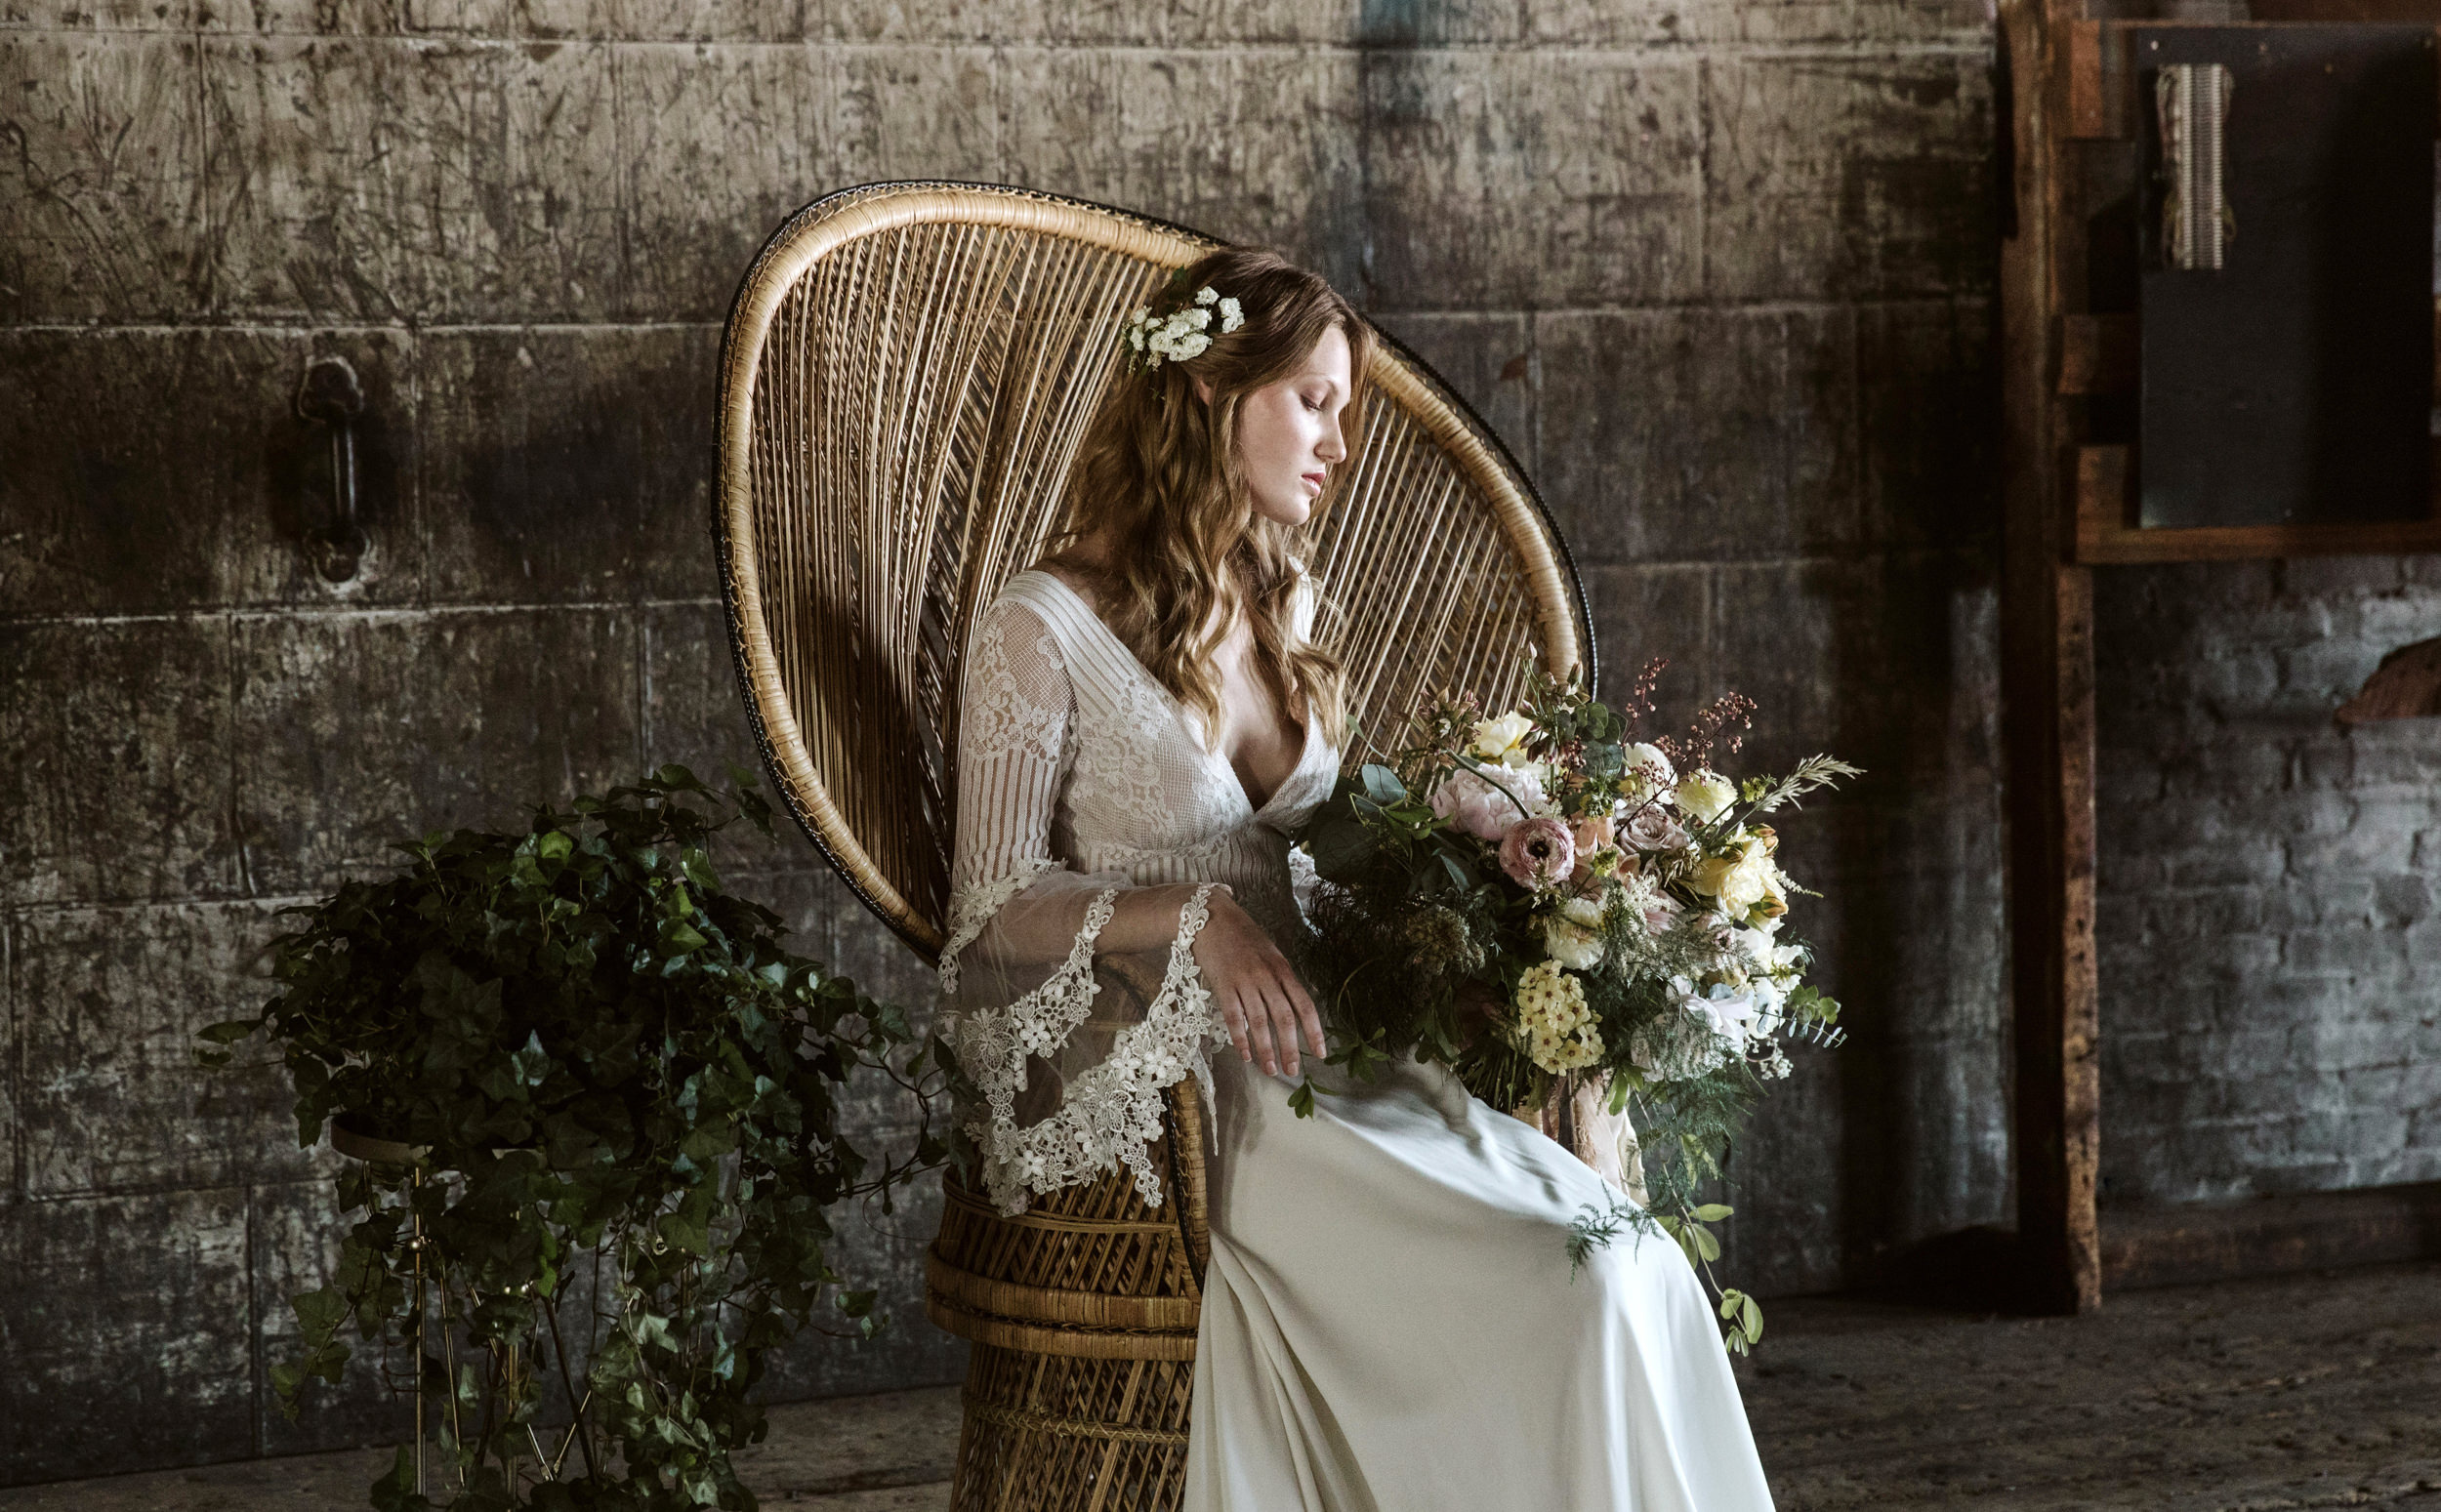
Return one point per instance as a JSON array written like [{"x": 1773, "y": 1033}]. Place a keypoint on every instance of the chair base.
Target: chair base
[{"x": 1051, "y": 1433}]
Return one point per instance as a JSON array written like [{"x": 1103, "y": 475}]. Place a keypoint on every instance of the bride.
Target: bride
[{"x": 1390, "y": 1319}]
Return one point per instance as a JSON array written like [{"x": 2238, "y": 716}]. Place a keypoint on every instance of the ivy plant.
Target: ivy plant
[{"x": 619, "y": 1100}]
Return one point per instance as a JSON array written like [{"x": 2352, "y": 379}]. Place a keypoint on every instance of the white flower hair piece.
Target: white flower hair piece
[{"x": 1182, "y": 333}]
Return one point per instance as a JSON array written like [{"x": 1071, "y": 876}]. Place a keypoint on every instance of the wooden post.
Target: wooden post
[{"x": 2048, "y": 681}]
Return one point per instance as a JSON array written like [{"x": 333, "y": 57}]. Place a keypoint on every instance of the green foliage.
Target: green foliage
[{"x": 624, "y": 1095}]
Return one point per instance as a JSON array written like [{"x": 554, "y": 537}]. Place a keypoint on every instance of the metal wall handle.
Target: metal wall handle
[{"x": 330, "y": 395}]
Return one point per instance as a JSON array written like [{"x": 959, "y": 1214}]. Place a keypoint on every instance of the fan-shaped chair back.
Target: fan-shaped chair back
[{"x": 910, "y": 369}]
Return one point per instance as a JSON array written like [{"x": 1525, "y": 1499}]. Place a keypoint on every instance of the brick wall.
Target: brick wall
[
  {"x": 2270, "y": 945},
  {"x": 1720, "y": 274}
]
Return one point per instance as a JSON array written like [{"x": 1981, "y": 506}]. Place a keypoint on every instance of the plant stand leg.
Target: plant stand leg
[{"x": 416, "y": 1242}]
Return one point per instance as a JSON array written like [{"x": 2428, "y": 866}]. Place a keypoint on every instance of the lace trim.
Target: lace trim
[
  {"x": 970, "y": 911},
  {"x": 1111, "y": 1111},
  {"x": 992, "y": 1043}
]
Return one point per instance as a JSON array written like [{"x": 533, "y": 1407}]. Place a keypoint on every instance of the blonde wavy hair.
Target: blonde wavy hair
[{"x": 1158, "y": 478}]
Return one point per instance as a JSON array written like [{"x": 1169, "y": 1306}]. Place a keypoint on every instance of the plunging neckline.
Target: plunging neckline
[{"x": 1180, "y": 714}]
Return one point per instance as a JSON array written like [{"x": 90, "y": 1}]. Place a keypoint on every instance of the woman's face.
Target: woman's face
[{"x": 1287, "y": 433}]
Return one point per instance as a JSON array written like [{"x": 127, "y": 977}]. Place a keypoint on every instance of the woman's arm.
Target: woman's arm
[{"x": 1009, "y": 913}]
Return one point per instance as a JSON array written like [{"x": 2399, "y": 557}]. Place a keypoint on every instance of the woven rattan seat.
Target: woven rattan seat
[{"x": 908, "y": 372}]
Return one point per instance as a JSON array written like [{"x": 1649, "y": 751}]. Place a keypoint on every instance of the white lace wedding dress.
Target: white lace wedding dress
[{"x": 1389, "y": 1322}]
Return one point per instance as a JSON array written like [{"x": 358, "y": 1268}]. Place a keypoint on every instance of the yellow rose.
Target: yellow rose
[
  {"x": 1502, "y": 739},
  {"x": 1706, "y": 795},
  {"x": 1739, "y": 880}
]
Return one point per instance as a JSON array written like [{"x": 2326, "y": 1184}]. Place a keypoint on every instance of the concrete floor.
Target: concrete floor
[{"x": 2303, "y": 1391}]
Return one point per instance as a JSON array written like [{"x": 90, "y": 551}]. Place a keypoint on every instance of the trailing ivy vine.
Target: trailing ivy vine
[{"x": 624, "y": 1098}]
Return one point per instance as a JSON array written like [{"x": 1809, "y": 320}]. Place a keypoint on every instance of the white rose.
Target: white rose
[
  {"x": 1502, "y": 739},
  {"x": 1572, "y": 945},
  {"x": 1588, "y": 912},
  {"x": 1706, "y": 794},
  {"x": 1651, "y": 768}
]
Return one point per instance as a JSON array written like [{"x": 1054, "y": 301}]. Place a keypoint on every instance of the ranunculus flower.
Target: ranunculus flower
[
  {"x": 1653, "y": 829},
  {"x": 1502, "y": 739},
  {"x": 1706, "y": 794},
  {"x": 1537, "y": 852},
  {"x": 1471, "y": 803}
]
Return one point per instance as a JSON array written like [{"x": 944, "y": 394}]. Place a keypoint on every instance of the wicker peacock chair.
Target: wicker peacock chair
[{"x": 909, "y": 370}]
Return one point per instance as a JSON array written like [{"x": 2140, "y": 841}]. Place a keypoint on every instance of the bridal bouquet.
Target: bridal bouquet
[{"x": 1544, "y": 905}]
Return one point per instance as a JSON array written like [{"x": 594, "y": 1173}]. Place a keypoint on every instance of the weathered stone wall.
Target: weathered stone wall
[
  {"x": 2270, "y": 945},
  {"x": 1719, "y": 273}
]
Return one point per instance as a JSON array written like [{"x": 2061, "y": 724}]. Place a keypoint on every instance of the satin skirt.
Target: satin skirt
[{"x": 1389, "y": 1322}]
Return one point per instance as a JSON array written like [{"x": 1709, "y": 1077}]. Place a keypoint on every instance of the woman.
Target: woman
[{"x": 1390, "y": 1318}]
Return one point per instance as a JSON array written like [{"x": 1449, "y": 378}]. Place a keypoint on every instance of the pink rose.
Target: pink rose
[
  {"x": 1653, "y": 829},
  {"x": 1482, "y": 811},
  {"x": 1538, "y": 852}
]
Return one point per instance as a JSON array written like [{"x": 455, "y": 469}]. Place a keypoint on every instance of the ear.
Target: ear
[{"x": 1203, "y": 387}]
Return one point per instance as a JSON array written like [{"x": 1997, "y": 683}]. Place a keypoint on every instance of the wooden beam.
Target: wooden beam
[
  {"x": 2247, "y": 542},
  {"x": 2047, "y": 672},
  {"x": 2100, "y": 475},
  {"x": 2092, "y": 80},
  {"x": 2098, "y": 355},
  {"x": 2180, "y": 1245},
  {"x": 2389, "y": 12},
  {"x": 2105, "y": 534}
]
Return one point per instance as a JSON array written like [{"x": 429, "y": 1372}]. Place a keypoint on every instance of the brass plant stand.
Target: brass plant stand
[{"x": 391, "y": 1152}]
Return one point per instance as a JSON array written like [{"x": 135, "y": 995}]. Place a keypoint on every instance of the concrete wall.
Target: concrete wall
[{"x": 1719, "y": 273}]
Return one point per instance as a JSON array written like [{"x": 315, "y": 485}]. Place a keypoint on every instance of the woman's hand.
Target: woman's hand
[{"x": 1264, "y": 1006}]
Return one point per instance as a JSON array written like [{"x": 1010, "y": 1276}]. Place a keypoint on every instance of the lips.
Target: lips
[{"x": 1317, "y": 480}]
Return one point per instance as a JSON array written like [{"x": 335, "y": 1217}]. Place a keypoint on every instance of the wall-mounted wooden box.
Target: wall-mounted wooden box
[{"x": 2279, "y": 403}]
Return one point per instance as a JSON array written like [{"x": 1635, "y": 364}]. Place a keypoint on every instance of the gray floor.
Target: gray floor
[{"x": 2310, "y": 1391}]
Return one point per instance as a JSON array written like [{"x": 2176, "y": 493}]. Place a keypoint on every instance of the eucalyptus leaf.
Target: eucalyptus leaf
[{"x": 1382, "y": 785}]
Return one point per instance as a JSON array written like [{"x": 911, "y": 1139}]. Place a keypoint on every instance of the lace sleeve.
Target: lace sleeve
[{"x": 1069, "y": 1046}]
